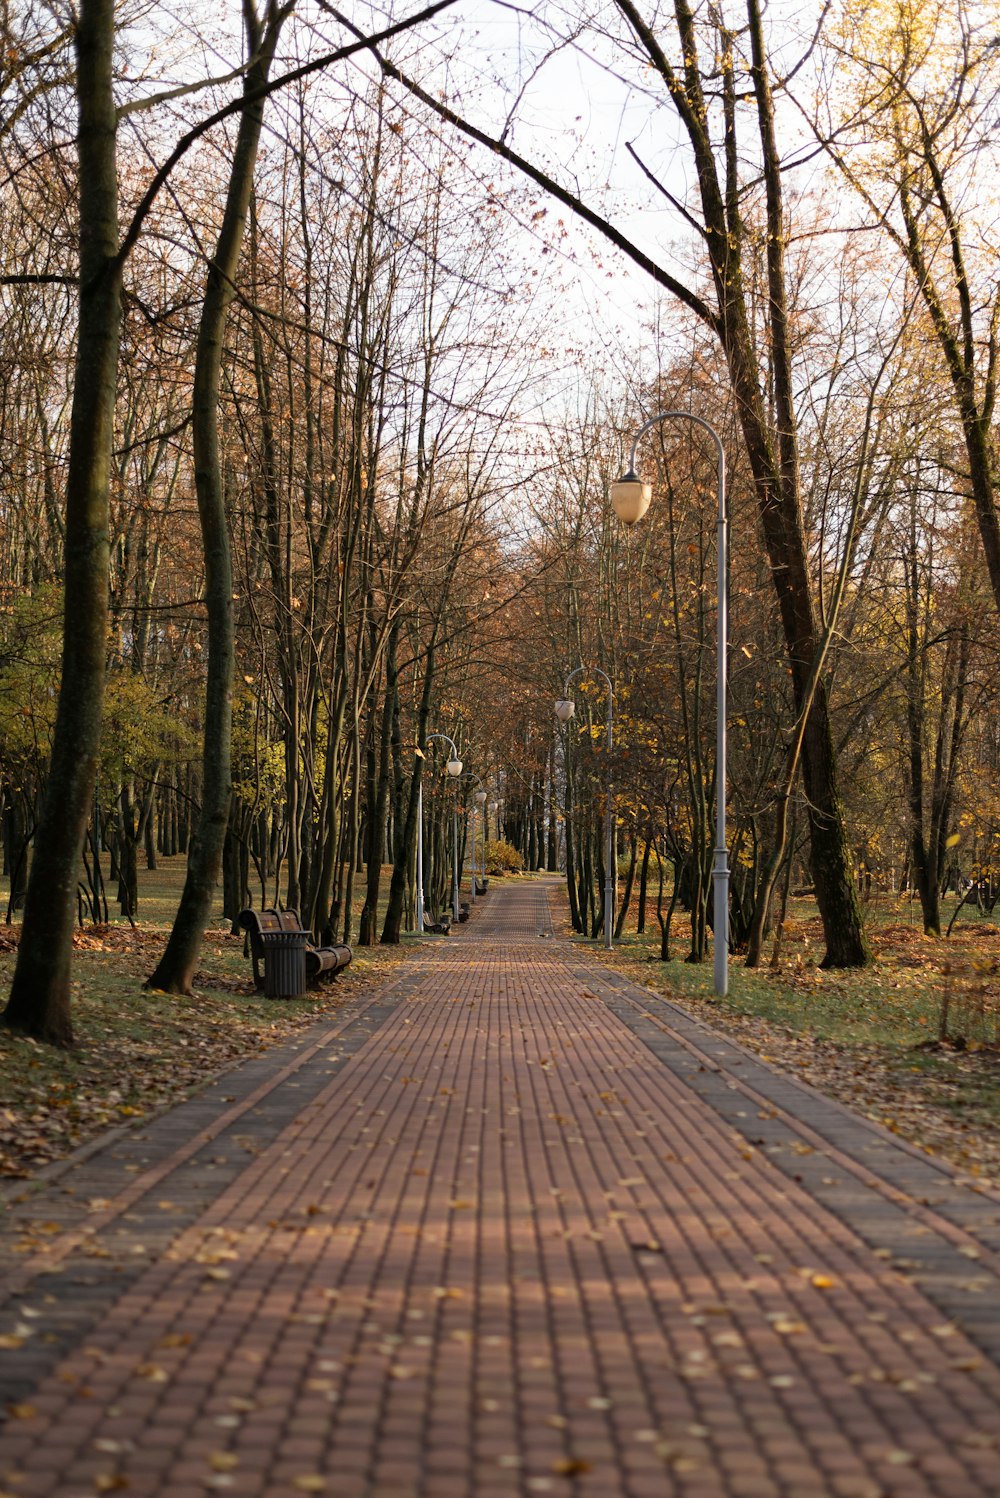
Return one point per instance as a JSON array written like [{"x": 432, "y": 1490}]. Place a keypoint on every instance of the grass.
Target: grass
[
  {"x": 138, "y": 1051},
  {"x": 895, "y": 1002}
]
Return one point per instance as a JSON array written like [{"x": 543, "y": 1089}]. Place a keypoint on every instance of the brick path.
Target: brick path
[{"x": 516, "y": 1227}]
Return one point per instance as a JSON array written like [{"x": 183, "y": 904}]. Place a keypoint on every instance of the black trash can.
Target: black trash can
[{"x": 284, "y": 964}]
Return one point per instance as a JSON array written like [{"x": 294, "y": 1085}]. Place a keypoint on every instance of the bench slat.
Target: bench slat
[{"x": 321, "y": 962}]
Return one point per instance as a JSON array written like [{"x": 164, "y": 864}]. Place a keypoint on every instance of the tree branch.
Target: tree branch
[
  {"x": 38, "y": 280},
  {"x": 247, "y": 99},
  {"x": 548, "y": 184}
]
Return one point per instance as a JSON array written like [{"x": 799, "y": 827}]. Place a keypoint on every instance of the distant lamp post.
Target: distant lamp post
[
  {"x": 493, "y": 810},
  {"x": 454, "y": 769},
  {"x": 478, "y": 802},
  {"x": 565, "y": 709},
  {"x": 630, "y": 498},
  {"x": 479, "y": 797}
]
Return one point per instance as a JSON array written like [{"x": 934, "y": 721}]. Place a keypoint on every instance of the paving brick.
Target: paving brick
[{"x": 515, "y": 1227}]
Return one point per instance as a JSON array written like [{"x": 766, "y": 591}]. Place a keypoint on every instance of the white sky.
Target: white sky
[{"x": 573, "y": 116}]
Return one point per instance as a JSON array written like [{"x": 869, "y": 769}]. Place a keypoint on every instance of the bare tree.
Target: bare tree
[
  {"x": 915, "y": 139},
  {"x": 709, "y": 104}
]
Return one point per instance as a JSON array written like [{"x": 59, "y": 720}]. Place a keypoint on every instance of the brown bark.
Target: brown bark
[
  {"x": 39, "y": 1001},
  {"x": 175, "y": 971},
  {"x": 406, "y": 835},
  {"x": 973, "y": 377}
]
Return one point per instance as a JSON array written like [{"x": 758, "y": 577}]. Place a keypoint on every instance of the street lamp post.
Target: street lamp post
[
  {"x": 479, "y": 801},
  {"x": 493, "y": 811},
  {"x": 454, "y": 768},
  {"x": 565, "y": 708},
  {"x": 631, "y": 497}
]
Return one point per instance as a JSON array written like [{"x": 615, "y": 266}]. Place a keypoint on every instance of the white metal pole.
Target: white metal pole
[
  {"x": 454, "y": 769},
  {"x": 609, "y": 881},
  {"x": 420, "y": 852},
  {"x": 720, "y": 869},
  {"x": 720, "y": 864}
]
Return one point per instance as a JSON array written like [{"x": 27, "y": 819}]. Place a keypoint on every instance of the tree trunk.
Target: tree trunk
[
  {"x": 640, "y": 918},
  {"x": 405, "y": 835},
  {"x": 925, "y": 877},
  {"x": 378, "y": 805},
  {"x": 233, "y": 884},
  {"x": 39, "y": 1003},
  {"x": 378, "y": 789},
  {"x": 175, "y": 971},
  {"x": 629, "y": 882}
]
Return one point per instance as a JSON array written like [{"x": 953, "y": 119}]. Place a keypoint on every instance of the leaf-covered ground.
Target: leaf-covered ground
[
  {"x": 872, "y": 1039},
  {"x": 137, "y": 1052}
]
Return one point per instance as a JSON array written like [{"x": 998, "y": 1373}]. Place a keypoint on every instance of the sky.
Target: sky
[
  {"x": 501, "y": 66},
  {"x": 572, "y": 106}
]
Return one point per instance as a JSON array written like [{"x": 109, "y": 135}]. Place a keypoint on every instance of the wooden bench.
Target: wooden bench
[
  {"x": 439, "y": 924},
  {"x": 322, "y": 963}
]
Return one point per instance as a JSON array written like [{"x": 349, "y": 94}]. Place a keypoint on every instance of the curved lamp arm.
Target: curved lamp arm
[
  {"x": 566, "y": 707},
  {"x": 454, "y": 765},
  {"x": 630, "y": 496},
  {"x": 698, "y": 421}
]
